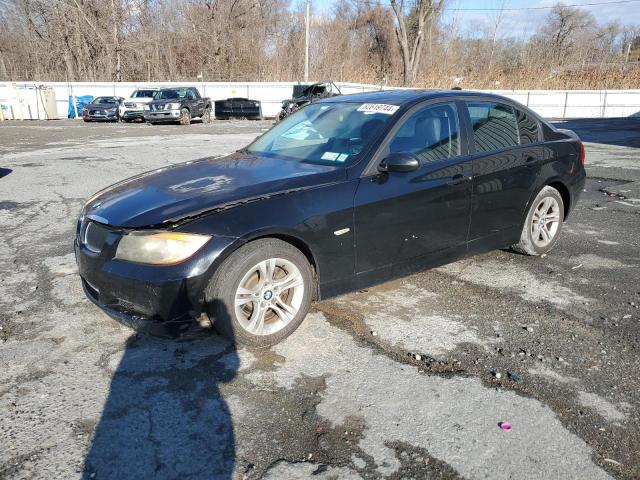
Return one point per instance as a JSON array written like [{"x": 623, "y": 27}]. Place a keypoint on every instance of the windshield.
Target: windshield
[
  {"x": 330, "y": 133},
  {"x": 143, "y": 94},
  {"x": 104, "y": 101},
  {"x": 169, "y": 94}
]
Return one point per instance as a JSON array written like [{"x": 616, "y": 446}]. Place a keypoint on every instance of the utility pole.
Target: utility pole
[{"x": 306, "y": 44}]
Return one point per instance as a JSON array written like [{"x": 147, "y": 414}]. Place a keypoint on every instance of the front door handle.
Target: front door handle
[{"x": 530, "y": 161}]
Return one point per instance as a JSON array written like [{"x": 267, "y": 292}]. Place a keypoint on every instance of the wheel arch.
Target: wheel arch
[
  {"x": 559, "y": 185},
  {"x": 287, "y": 237},
  {"x": 564, "y": 193}
]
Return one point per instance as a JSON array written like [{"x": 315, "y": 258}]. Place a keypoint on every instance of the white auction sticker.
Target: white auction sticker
[
  {"x": 378, "y": 108},
  {"x": 330, "y": 156}
]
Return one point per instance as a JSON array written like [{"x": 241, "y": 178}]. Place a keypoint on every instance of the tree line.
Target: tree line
[{"x": 387, "y": 42}]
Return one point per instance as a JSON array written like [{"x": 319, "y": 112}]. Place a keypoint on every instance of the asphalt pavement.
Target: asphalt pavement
[{"x": 409, "y": 379}]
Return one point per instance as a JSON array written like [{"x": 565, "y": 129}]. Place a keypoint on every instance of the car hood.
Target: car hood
[
  {"x": 164, "y": 101},
  {"x": 186, "y": 190}
]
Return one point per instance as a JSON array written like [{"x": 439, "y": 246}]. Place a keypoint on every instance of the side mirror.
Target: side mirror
[{"x": 399, "y": 162}]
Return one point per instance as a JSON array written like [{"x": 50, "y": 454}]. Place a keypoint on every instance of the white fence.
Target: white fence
[{"x": 547, "y": 103}]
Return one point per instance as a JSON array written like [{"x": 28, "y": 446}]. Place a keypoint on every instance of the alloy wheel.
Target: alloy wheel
[
  {"x": 269, "y": 296},
  {"x": 545, "y": 222}
]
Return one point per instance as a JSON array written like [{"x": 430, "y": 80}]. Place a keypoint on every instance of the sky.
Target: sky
[{"x": 516, "y": 21}]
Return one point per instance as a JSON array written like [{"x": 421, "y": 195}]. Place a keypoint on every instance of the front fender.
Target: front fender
[{"x": 318, "y": 221}]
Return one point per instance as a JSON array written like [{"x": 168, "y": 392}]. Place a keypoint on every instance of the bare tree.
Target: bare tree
[
  {"x": 564, "y": 27},
  {"x": 411, "y": 42},
  {"x": 369, "y": 41}
]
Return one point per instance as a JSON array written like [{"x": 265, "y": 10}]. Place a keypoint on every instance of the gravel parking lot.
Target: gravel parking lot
[{"x": 405, "y": 380}]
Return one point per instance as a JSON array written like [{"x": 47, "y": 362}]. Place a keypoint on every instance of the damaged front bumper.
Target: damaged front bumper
[{"x": 161, "y": 300}]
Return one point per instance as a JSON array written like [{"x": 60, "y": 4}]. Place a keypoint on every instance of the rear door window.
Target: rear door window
[
  {"x": 432, "y": 133},
  {"x": 495, "y": 126}
]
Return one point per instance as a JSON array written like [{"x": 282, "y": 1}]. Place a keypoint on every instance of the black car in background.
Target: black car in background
[
  {"x": 102, "y": 109},
  {"x": 177, "y": 104},
  {"x": 238, "y": 107},
  {"x": 348, "y": 192},
  {"x": 305, "y": 94}
]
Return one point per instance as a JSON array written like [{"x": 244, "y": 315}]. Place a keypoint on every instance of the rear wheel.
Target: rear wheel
[
  {"x": 261, "y": 293},
  {"x": 543, "y": 224},
  {"x": 185, "y": 116},
  {"x": 206, "y": 116}
]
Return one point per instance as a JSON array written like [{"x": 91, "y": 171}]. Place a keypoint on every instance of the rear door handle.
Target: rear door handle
[{"x": 457, "y": 179}]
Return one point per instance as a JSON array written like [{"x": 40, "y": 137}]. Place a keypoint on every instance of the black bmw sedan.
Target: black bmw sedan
[{"x": 348, "y": 192}]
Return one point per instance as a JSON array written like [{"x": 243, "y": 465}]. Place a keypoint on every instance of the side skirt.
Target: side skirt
[{"x": 503, "y": 239}]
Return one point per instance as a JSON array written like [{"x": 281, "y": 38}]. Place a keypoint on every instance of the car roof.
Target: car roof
[{"x": 408, "y": 96}]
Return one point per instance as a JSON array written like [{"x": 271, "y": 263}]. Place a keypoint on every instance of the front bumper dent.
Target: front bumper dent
[
  {"x": 140, "y": 323},
  {"x": 161, "y": 300}
]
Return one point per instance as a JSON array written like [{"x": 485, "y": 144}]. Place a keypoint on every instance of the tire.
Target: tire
[
  {"x": 206, "y": 115},
  {"x": 239, "y": 277},
  {"x": 85, "y": 120},
  {"x": 185, "y": 116},
  {"x": 543, "y": 223}
]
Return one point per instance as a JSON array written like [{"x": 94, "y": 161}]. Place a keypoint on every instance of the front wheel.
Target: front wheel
[
  {"x": 185, "y": 116},
  {"x": 260, "y": 294},
  {"x": 543, "y": 224}
]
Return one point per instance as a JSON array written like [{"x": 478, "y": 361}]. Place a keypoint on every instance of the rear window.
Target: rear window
[
  {"x": 494, "y": 126},
  {"x": 528, "y": 127}
]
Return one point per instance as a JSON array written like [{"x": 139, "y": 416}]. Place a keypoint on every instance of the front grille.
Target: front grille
[
  {"x": 130, "y": 105},
  {"x": 95, "y": 236}
]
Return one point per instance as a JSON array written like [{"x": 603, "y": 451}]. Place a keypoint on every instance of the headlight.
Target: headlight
[
  {"x": 147, "y": 107},
  {"x": 159, "y": 248},
  {"x": 174, "y": 106}
]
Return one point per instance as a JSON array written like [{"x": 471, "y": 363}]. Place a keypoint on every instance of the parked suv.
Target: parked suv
[
  {"x": 133, "y": 107},
  {"x": 179, "y": 104}
]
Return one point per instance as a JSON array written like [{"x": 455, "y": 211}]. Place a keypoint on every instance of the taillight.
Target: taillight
[{"x": 582, "y": 154}]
